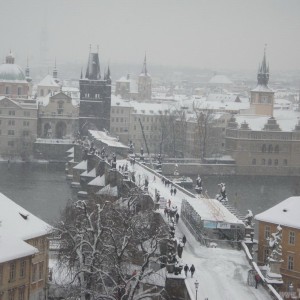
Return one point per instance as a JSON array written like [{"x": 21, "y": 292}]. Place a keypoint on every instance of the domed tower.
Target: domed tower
[
  {"x": 144, "y": 83},
  {"x": 262, "y": 97},
  {"x": 13, "y": 83}
]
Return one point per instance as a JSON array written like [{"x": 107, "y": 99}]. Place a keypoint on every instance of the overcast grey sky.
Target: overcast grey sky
[{"x": 215, "y": 34}]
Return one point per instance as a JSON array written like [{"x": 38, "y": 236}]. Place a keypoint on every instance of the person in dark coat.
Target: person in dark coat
[
  {"x": 192, "y": 269},
  {"x": 171, "y": 191},
  {"x": 174, "y": 191},
  {"x": 177, "y": 217},
  {"x": 257, "y": 280},
  {"x": 186, "y": 269},
  {"x": 184, "y": 239}
]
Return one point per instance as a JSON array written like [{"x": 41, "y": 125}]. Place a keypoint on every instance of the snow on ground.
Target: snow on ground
[{"x": 221, "y": 273}]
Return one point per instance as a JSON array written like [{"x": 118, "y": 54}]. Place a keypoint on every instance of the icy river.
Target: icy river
[{"x": 43, "y": 190}]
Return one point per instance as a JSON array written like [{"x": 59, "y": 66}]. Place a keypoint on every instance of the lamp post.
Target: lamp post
[{"x": 196, "y": 287}]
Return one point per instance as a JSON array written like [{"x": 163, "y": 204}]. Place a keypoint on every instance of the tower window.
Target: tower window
[
  {"x": 19, "y": 91},
  {"x": 6, "y": 90}
]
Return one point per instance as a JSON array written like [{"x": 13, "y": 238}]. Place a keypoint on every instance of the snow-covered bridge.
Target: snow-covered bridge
[{"x": 221, "y": 273}]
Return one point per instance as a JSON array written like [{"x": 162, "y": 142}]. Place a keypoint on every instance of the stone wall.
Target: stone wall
[
  {"x": 193, "y": 169},
  {"x": 55, "y": 151}
]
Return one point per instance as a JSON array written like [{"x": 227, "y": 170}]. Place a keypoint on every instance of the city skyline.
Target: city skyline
[{"x": 197, "y": 34}]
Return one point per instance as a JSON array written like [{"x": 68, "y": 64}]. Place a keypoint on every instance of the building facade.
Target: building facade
[
  {"x": 95, "y": 97},
  {"x": 284, "y": 214},
  {"x": 57, "y": 117},
  {"x": 18, "y": 128}
]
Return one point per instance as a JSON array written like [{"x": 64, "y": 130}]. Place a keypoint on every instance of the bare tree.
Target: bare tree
[
  {"x": 204, "y": 122},
  {"x": 107, "y": 249}
]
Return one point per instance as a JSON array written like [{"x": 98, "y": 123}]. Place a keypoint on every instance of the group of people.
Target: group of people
[
  {"x": 192, "y": 269},
  {"x": 171, "y": 214},
  {"x": 173, "y": 191}
]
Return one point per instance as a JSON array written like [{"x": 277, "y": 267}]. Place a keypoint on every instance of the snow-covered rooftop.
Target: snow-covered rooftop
[
  {"x": 16, "y": 226},
  {"x": 106, "y": 139},
  {"x": 48, "y": 81},
  {"x": 98, "y": 181},
  {"x": 286, "y": 119},
  {"x": 286, "y": 213},
  {"x": 262, "y": 88}
]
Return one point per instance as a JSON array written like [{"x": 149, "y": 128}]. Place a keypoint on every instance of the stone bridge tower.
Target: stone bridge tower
[{"x": 95, "y": 97}]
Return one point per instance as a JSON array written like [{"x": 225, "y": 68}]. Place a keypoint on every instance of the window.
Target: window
[
  {"x": 290, "y": 262},
  {"x": 25, "y": 123},
  {"x": 11, "y": 122},
  {"x": 253, "y": 161},
  {"x": 285, "y": 162},
  {"x": 11, "y": 112},
  {"x": 12, "y": 271},
  {"x": 22, "y": 268},
  {"x": 267, "y": 231},
  {"x": 27, "y": 113},
  {"x": 270, "y": 149},
  {"x": 269, "y": 162},
  {"x": 11, "y": 132},
  {"x": 276, "y": 149},
  {"x": 263, "y": 161},
  {"x": 11, "y": 294},
  {"x": 266, "y": 255},
  {"x": 34, "y": 273},
  {"x": 21, "y": 293},
  {"x": 6, "y": 90},
  {"x": 292, "y": 238},
  {"x": 264, "y": 148},
  {"x": 19, "y": 91},
  {"x": 41, "y": 270},
  {"x": 11, "y": 143}
]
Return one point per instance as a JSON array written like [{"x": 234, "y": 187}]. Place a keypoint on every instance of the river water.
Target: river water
[
  {"x": 257, "y": 193},
  {"x": 43, "y": 190}
]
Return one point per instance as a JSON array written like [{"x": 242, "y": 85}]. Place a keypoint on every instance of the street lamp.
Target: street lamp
[{"x": 196, "y": 287}]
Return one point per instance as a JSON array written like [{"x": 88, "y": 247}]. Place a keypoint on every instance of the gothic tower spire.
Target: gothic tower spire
[
  {"x": 144, "y": 69},
  {"x": 55, "y": 70},
  {"x": 263, "y": 71}
]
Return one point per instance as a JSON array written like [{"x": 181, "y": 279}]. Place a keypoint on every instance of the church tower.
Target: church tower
[
  {"x": 144, "y": 83},
  {"x": 95, "y": 97},
  {"x": 262, "y": 97}
]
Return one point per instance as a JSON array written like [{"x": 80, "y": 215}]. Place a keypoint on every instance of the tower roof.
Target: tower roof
[
  {"x": 10, "y": 71},
  {"x": 93, "y": 67},
  {"x": 263, "y": 71},
  {"x": 144, "y": 69}
]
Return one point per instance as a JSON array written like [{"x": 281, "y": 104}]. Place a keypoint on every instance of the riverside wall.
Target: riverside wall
[{"x": 193, "y": 169}]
